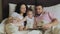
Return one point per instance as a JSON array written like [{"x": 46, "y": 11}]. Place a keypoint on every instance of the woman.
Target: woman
[{"x": 19, "y": 14}]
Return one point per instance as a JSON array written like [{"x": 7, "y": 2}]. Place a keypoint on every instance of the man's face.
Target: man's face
[{"x": 39, "y": 9}]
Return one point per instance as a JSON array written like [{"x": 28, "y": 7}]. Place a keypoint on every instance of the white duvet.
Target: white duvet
[{"x": 2, "y": 27}]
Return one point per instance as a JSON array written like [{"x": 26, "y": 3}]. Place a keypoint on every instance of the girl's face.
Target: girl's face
[
  {"x": 13, "y": 20},
  {"x": 30, "y": 14},
  {"x": 23, "y": 8}
]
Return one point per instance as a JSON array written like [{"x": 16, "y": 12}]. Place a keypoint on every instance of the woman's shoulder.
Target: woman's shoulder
[{"x": 14, "y": 14}]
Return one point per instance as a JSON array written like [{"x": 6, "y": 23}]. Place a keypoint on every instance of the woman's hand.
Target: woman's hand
[{"x": 47, "y": 26}]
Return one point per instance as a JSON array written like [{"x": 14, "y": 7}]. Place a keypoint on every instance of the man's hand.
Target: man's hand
[{"x": 47, "y": 26}]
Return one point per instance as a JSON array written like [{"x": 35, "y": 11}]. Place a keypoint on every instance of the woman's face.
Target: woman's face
[{"x": 23, "y": 8}]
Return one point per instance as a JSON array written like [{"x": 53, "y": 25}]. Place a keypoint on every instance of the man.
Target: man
[{"x": 48, "y": 18}]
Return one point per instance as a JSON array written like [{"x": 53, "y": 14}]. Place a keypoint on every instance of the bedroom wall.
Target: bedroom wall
[{"x": 0, "y": 10}]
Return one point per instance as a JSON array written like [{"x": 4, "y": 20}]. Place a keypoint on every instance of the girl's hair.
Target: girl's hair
[
  {"x": 29, "y": 9},
  {"x": 8, "y": 20},
  {"x": 18, "y": 8}
]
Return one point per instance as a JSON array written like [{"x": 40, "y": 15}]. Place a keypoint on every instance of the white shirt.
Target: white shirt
[{"x": 30, "y": 22}]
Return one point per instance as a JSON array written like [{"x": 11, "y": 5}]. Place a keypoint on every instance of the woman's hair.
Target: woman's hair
[{"x": 18, "y": 8}]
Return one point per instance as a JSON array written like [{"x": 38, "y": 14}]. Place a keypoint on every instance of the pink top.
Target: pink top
[{"x": 46, "y": 17}]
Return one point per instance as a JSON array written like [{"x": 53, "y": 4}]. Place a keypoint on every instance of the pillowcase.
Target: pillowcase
[{"x": 11, "y": 8}]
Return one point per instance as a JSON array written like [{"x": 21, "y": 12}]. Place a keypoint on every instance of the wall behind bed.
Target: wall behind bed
[{"x": 0, "y": 10}]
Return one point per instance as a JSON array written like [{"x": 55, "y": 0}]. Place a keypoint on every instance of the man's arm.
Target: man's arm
[
  {"x": 54, "y": 22},
  {"x": 35, "y": 23}
]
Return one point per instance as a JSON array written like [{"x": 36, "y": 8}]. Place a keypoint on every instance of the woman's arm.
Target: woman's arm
[{"x": 24, "y": 19}]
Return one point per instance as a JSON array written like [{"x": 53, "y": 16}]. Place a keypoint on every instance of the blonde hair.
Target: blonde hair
[{"x": 8, "y": 20}]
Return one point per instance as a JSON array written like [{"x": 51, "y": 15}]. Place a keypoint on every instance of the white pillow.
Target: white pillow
[
  {"x": 11, "y": 8},
  {"x": 2, "y": 28}
]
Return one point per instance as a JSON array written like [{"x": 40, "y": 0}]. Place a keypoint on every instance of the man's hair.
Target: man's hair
[{"x": 39, "y": 5}]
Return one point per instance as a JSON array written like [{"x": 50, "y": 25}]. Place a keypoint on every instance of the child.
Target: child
[
  {"x": 29, "y": 18},
  {"x": 12, "y": 21},
  {"x": 11, "y": 25}
]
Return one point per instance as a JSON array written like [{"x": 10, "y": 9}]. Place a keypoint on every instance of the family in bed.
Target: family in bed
[{"x": 15, "y": 22}]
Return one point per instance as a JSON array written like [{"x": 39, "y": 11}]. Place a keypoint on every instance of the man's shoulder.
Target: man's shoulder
[{"x": 46, "y": 12}]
